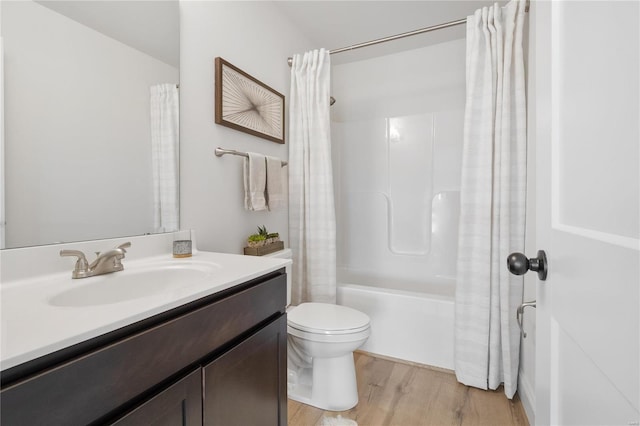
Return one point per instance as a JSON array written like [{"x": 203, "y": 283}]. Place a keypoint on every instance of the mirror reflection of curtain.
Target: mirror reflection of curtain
[
  {"x": 2, "y": 217},
  {"x": 165, "y": 132}
]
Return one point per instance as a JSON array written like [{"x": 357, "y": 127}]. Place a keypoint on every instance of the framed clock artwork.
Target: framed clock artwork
[{"x": 246, "y": 104}]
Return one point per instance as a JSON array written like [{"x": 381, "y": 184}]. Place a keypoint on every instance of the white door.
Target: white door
[{"x": 587, "y": 216}]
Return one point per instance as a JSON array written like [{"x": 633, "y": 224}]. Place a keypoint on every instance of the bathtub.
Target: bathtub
[{"x": 412, "y": 321}]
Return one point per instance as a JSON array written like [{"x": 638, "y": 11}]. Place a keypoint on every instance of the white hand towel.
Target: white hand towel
[
  {"x": 275, "y": 183},
  {"x": 255, "y": 179}
]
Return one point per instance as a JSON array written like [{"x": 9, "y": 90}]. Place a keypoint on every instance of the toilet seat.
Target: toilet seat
[{"x": 327, "y": 319}]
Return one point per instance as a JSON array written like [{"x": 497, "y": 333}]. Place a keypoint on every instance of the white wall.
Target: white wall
[
  {"x": 397, "y": 142},
  {"x": 255, "y": 37},
  {"x": 62, "y": 147}
]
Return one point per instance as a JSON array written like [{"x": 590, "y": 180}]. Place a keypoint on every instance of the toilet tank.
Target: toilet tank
[{"x": 285, "y": 254}]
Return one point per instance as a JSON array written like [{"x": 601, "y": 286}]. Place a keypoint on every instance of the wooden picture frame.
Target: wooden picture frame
[{"x": 246, "y": 104}]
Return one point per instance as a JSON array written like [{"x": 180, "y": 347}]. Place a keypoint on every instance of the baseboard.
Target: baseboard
[
  {"x": 528, "y": 397},
  {"x": 404, "y": 361}
]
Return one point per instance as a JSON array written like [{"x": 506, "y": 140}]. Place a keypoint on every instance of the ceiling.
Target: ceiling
[
  {"x": 152, "y": 26},
  {"x": 336, "y": 24}
]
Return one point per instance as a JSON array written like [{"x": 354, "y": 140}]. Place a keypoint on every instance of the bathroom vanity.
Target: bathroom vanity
[{"x": 219, "y": 359}]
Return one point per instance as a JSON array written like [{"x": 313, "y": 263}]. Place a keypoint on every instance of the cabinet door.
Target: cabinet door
[
  {"x": 247, "y": 385},
  {"x": 178, "y": 405}
]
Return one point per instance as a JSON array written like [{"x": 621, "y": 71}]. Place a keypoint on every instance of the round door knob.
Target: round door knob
[{"x": 518, "y": 264}]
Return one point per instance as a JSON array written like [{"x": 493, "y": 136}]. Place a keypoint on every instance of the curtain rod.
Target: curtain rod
[{"x": 399, "y": 36}]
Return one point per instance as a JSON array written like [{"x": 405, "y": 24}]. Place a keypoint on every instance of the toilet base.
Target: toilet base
[{"x": 330, "y": 384}]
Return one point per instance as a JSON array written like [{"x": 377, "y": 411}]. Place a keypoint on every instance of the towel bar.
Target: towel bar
[{"x": 221, "y": 151}]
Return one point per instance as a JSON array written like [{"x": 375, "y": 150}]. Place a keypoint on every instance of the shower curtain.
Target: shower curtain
[
  {"x": 493, "y": 192},
  {"x": 312, "y": 223},
  {"x": 2, "y": 219},
  {"x": 165, "y": 132}
]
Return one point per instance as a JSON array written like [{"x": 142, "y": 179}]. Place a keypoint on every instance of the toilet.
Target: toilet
[{"x": 321, "y": 338}]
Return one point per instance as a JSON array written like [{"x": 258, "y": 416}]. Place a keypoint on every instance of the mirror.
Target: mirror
[{"x": 90, "y": 120}]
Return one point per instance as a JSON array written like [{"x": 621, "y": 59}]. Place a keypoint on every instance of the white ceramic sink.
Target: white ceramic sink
[
  {"x": 162, "y": 278},
  {"x": 44, "y": 310}
]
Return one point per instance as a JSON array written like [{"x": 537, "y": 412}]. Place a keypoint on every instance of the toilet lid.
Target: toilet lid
[{"x": 324, "y": 318}]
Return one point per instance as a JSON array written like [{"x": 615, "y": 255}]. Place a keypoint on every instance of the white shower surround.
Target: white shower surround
[{"x": 397, "y": 147}]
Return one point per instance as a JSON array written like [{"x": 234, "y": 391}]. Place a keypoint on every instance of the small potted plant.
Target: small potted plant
[
  {"x": 256, "y": 240},
  {"x": 264, "y": 242},
  {"x": 270, "y": 237},
  {"x": 273, "y": 237}
]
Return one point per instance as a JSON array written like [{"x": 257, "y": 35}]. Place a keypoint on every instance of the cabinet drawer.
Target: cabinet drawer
[{"x": 96, "y": 384}]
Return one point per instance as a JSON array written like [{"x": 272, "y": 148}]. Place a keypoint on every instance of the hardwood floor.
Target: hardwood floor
[{"x": 394, "y": 393}]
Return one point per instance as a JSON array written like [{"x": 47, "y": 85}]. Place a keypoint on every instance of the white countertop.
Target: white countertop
[{"x": 32, "y": 326}]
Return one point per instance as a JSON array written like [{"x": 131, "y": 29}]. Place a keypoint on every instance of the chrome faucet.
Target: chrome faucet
[{"x": 105, "y": 263}]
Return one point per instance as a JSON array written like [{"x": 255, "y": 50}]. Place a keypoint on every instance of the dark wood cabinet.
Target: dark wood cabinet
[
  {"x": 147, "y": 372},
  {"x": 244, "y": 386},
  {"x": 178, "y": 405}
]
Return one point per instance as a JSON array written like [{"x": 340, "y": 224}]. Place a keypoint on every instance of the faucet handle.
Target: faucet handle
[
  {"x": 123, "y": 246},
  {"x": 117, "y": 261},
  {"x": 82, "y": 266}
]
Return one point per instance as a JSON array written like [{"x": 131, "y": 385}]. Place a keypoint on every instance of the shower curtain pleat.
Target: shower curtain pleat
[
  {"x": 2, "y": 159},
  {"x": 165, "y": 130},
  {"x": 312, "y": 223},
  {"x": 492, "y": 197}
]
